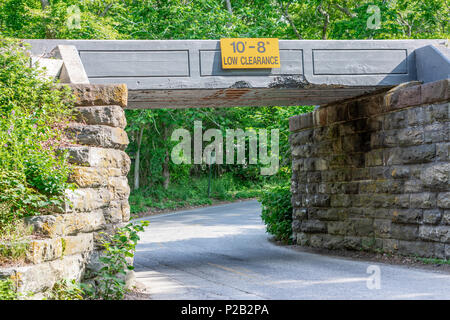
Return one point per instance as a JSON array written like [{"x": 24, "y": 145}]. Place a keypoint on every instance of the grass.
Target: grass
[
  {"x": 14, "y": 241},
  {"x": 433, "y": 260},
  {"x": 194, "y": 192}
]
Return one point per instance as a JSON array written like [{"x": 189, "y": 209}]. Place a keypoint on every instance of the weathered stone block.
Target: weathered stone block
[
  {"x": 382, "y": 228},
  {"x": 81, "y": 243},
  {"x": 341, "y": 200},
  {"x": 381, "y": 200},
  {"x": 398, "y": 172},
  {"x": 302, "y": 238},
  {"x": 411, "y": 216},
  {"x": 396, "y": 120},
  {"x": 404, "y": 232},
  {"x": 125, "y": 211},
  {"x": 332, "y": 242},
  {"x": 302, "y": 137},
  {"x": 88, "y": 177},
  {"x": 374, "y": 158},
  {"x": 423, "y": 200},
  {"x": 317, "y": 200},
  {"x": 321, "y": 116},
  {"x": 41, "y": 277},
  {"x": 99, "y": 95},
  {"x": 113, "y": 116},
  {"x": 44, "y": 250},
  {"x": 313, "y": 226},
  {"x": 446, "y": 217},
  {"x": 437, "y": 134},
  {"x": 300, "y": 214},
  {"x": 435, "y": 233},
  {"x": 315, "y": 240},
  {"x": 416, "y": 154},
  {"x": 419, "y": 248},
  {"x": 402, "y": 201},
  {"x": 432, "y": 216},
  {"x": 352, "y": 242},
  {"x": 338, "y": 227},
  {"x": 119, "y": 188},
  {"x": 99, "y": 157},
  {"x": 443, "y": 151},
  {"x": 116, "y": 212},
  {"x": 403, "y": 97},
  {"x": 434, "y": 92},
  {"x": 67, "y": 224},
  {"x": 410, "y": 137},
  {"x": 414, "y": 186},
  {"x": 440, "y": 112},
  {"x": 87, "y": 199},
  {"x": 294, "y": 123},
  {"x": 361, "y": 227},
  {"x": 436, "y": 175},
  {"x": 443, "y": 200},
  {"x": 390, "y": 245},
  {"x": 99, "y": 135},
  {"x": 418, "y": 116}
]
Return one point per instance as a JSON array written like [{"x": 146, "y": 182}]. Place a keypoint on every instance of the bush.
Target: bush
[
  {"x": 65, "y": 290},
  {"x": 109, "y": 283},
  {"x": 13, "y": 243},
  {"x": 33, "y": 111},
  {"x": 277, "y": 212},
  {"x": 8, "y": 290}
]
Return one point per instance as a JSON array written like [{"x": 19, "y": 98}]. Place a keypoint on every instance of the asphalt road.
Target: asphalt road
[{"x": 223, "y": 252}]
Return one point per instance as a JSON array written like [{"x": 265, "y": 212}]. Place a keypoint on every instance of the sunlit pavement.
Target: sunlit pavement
[{"x": 223, "y": 252}]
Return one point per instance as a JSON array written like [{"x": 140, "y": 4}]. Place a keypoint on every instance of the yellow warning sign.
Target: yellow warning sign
[{"x": 250, "y": 53}]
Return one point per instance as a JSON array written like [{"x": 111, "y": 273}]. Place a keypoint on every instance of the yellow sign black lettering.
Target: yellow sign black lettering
[{"x": 250, "y": 53}]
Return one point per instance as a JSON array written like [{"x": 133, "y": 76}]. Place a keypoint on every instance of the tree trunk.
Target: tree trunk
[
  {"x": 285, "y": 12},
  {"x": 229, "y": 8},
  {"x": 137, "y": 160},
  {"x": 44, "y": 4},
  {"x": 165, "y": 166}
]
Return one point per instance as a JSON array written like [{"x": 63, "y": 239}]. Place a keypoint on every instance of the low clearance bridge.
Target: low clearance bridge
[
  {"x": 370, "y": 166},
  {"x": 188, "y": 73}
]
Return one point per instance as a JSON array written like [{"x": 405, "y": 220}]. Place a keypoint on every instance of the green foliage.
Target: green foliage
[
  {"x": 434, "y": 261},
  {"x": 33, "y": 176},
  {"x": 8, "y": 290},
  {"x": 194, "y": 192},
  {"x": 14, "y": 243},
  {"x": 118, "y": 249},
  {"x": 277, "y": 212},
  {"x": 211, "y": 19},
  {"x": 65, "y": 290}
]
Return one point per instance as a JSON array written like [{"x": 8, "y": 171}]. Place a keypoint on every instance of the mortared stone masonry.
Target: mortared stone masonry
[
  {"x": 99, "y": 204},
  {"x": 373, "y": 173}
]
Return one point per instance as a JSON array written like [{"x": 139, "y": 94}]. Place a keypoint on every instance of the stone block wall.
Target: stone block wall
[
  {"x": 373, "y": 173},
  {"x": 100, "y": 203}
]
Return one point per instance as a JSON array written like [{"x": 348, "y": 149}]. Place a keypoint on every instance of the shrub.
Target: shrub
[
  {"x": 109, "y": 283},
  {"x": 14, "y": 244},
  {"x": 65, "y": 290},
  {"x": 8, "y": 290},
  {"x": 33, "y": 110},
  {"x": 277, "y": 212}
]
